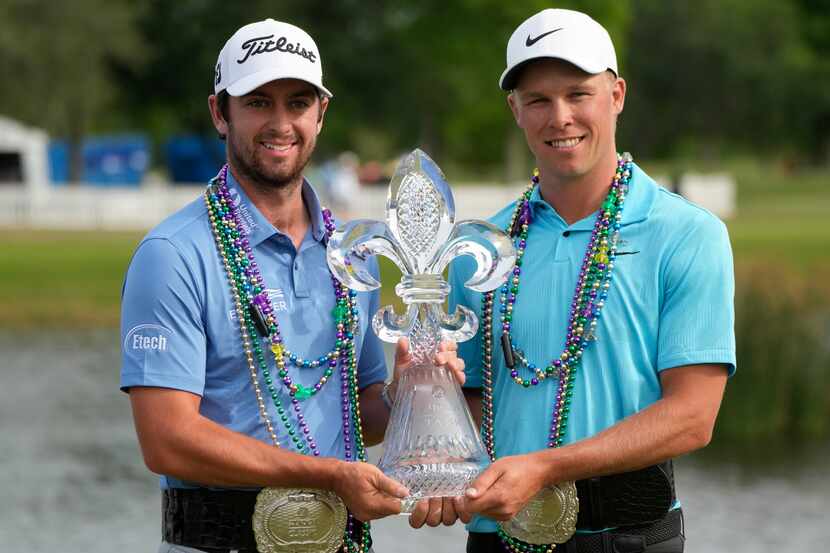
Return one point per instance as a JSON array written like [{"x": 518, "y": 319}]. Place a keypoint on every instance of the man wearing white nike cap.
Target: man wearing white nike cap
[
  {"x": 254, "y": 376},
  {"x": 607, "y": 352}
]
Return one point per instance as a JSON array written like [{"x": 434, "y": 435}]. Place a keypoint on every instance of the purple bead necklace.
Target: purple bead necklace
[
  {"x": 589, "y": 298},
  {"x": 248, "y": 289},
  {"x": 592, "y": 287}
]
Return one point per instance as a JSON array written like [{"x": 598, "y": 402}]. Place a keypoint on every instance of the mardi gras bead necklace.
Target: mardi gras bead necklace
[
  {"x": 593, "y": 284},
  {"x": 247, "y": 289}
]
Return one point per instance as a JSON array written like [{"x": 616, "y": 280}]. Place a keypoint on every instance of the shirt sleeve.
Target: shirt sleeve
[
  {"x": 371, "y": 365},
  {"x": 162, "y": 327},
  {"x": 697, "y": 317},
  {"x": 461, "y": 269}
]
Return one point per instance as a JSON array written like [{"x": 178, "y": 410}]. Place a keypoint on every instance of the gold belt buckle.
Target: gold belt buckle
[
  {"x": 294, "y": 520},
  {"x": 550, "y": 517}
]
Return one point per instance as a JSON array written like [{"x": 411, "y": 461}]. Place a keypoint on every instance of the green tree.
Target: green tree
[
  {"x": 56, "y": 63},
  {"x": 815, "y": 18},
  {"x": 438, "y": 77},
  {"x": 711, "y": 77},
  {"x": 404, "y": 74}
]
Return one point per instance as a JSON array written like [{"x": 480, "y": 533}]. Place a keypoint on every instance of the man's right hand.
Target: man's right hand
[{"x": 367, "y": 492}]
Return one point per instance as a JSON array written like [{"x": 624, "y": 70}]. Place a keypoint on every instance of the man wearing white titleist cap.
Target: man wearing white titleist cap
[
  {"x": 236, "y": 337},
  {"x": 606, "y": 354}
]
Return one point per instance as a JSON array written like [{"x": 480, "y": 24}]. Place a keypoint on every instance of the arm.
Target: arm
[
  {"x": 162, "y": 292},
  {"x": 695, "y": 341},
  {"x": 177, "y": 440},
  {"x": 680, "y": 422}
]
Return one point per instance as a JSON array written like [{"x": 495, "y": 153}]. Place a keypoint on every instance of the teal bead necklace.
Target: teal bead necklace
[
  {"x": 247, "y": 289},
  {"x": 589, "y": 298}
]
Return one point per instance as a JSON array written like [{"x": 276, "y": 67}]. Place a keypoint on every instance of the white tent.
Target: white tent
[
  {"x": 24, "y": 171},
  {"x": 25, "y": 155}
]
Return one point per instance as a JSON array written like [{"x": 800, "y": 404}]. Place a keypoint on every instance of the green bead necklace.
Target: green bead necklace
[
  {"x": 589, "y": 298},
  {"x": 246, "y": 286}
]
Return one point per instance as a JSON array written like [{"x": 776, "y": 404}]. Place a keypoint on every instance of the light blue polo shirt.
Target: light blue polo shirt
[
  {"x": 179, "y": 327},
  {"x": 670, "y": 304}
]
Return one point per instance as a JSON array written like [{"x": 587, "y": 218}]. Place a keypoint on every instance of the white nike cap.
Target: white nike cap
[
  {"x": 563, "y": 34},
  {"x": 264, "y": 51}
]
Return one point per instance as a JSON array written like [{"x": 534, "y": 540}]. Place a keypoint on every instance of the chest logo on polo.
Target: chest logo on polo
[
  {"x": 248, "y": 224},
  {"x": 148, "y": 338},
  {"x": 277, "y": 297},
  {"x": 622, "y": 243},
  {"x": 278, "y": 302}
]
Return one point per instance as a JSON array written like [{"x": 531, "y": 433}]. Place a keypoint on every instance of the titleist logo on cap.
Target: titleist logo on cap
[{"x": 264, "y": 44}]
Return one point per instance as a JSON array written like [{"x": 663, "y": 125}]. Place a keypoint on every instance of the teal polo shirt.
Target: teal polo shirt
[{"x": 670, "y": 304}]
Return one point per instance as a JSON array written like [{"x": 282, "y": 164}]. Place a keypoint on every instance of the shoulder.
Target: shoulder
[
  {"x": 673, "y": 216},
  {"x": 671, "y": 206},
  {"x": 689, "y": 245},
  {"x": 176, "y": 246},
  {"x": 186, "y": 231},
  {"x": 186, "y": 224}
]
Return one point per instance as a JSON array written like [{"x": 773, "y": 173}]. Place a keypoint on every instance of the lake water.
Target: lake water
[{"x": 73, "y": 479}]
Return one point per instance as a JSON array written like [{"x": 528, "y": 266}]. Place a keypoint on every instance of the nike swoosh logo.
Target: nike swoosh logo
[
  {"x": 531, "y": 41},
  {"x": 628, "y": 253}
]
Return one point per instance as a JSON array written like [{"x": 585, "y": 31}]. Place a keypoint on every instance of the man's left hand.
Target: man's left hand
[
  {"x": 434, "y": 511},
  {"x": 504, "y": 488}
]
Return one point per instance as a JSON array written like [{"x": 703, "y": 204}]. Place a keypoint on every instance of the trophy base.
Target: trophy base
[{"x": 426, "y": 480}]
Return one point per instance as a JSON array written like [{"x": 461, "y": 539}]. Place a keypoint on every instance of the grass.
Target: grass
[
  {"x": 782, "y": 328},
  {"x": 62, "y": 279},
  {"x": 772, "y": 235},
  {"x": 781, "y": 211},
  {"x": 51, "y": 279},
  {"x": 72, "y": 279}
]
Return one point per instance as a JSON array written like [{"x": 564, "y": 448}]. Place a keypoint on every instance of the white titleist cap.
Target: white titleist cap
[
  {"x": 264, "y": 51},
  {"x": 563, "y": 34}
]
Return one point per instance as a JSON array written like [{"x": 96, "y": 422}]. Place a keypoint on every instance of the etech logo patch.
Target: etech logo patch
[{"x": 148, "y": 337}]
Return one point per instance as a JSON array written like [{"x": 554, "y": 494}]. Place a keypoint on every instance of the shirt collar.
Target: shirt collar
[
  {"x": 258, "y": 227},
  {"x": 315, "y": 212},
  {"x": 642, "y": 191}
]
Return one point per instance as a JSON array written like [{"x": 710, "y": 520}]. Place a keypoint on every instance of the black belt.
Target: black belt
[
  {"x": 214, "y": 521},
  {"x": 663, "y": 536},
  {"x": 220, "y": 520},
  {"x": 626, "y": 499}
]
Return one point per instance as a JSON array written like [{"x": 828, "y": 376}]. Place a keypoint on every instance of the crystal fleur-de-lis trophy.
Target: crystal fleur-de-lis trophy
[{"x": 431, "y": 445}]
